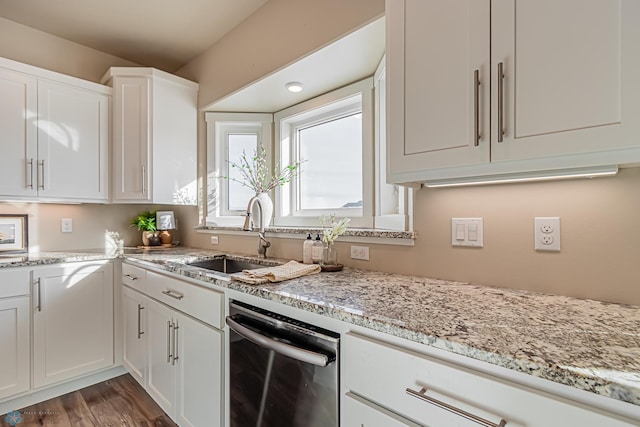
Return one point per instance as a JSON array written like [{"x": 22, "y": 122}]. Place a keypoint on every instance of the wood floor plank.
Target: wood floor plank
[
  {"x": 77, "y": 410},
  {"x": 140, "y": 401},
  {"x": 119, "y": 402}
]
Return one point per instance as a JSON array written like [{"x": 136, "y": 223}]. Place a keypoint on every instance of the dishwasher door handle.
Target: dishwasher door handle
[{"x": 297, "y": 353}]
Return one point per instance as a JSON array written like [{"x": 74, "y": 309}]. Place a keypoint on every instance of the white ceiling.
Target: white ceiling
[
  {"x": 349, "y": 59},
  {"x": 164, "y": 34}
]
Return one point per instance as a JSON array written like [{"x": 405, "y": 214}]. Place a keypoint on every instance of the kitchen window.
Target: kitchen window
[
  {"x": 229, "y": 135},
  {"x": 333, "y": 136}
]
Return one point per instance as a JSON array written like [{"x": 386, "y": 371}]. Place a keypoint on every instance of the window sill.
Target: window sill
[{"x": 355, "y": 235}]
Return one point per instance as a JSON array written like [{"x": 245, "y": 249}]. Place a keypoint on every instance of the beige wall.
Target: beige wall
[
  {"x": 89, "y": 224},
  {"x": 34, "y": 47}
]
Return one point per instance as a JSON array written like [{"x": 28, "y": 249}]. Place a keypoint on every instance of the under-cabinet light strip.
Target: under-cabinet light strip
[{"x": 554, "y": 175}]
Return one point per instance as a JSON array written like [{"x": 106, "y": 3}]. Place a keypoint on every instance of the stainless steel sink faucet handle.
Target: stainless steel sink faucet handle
[{"x": 263, "y": 244}]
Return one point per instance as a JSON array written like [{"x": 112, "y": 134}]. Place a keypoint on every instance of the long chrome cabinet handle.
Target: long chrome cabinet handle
[
  {"x": 501, "y": 102},
  {"x": 29, "y": 175},
  {"x": 130, "y": 277},
  {"x": 173, "y": 294},
  {"x": 442, "y": 405},
  {"x": 303, "y": 355},
  {"x": 476, "y": 108},
  {"x": 169, "y": 355},
  {"x": 175, "y": 343},
  {"x": 140, "y": 332},
  {"x": 39, "y": 294},
  {"x": 42, "y": 166},
  {"x": 144, "y": 177}
]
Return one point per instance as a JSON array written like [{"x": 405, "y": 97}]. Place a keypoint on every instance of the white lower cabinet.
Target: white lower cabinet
[
  {"x": 435, "y": 393},
  {"x": 134, "y": 347},
  {"x": 72, "y": 321},
  {"x": 14, "y": 332},
  {"x": 176, "y": 357}
]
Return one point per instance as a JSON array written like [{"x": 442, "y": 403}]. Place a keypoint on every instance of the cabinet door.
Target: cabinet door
[
  {"x": 199, "y": 367},
  {"x": 73, "y": 127},
  {"x": 18, "y": 115},
  {"x": 72, "y": 321},
  {"x": 570, "y": 76},
  {"x": 135, "y": 337},
  {"x": 434, "y": 49},
  {"x": 131, "y": 167},
  {"x": 161, "y": 372},
  {"x": 14, "y": 341}
]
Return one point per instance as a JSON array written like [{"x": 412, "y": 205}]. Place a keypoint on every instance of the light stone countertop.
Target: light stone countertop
[{"x": 586, "y": 344}]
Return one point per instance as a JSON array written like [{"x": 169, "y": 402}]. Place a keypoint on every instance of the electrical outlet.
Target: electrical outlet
[
  {"x": 66, "y": 225},
  {"x": 214, "y": 240},
  {"x": 360, "y": 252},
  {"x": 547, "y": 234}
]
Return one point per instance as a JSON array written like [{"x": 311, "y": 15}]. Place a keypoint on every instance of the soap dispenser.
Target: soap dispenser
[
  {"x": 316, "y": 250},
  {"x": 307, "y": 247}
]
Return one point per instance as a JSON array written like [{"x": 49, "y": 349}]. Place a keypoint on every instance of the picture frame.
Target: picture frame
[
  {"x": 165, "y": 220},
  {"x": 14, "y": 233}
]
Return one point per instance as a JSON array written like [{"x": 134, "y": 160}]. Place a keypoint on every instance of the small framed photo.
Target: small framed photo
[
  {"x": 165, "y": 220},
  {"x": 14, "y": 233}
]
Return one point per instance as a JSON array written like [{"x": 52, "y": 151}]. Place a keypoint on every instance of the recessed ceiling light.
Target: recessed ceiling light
[{"x": 294, "y": 87}]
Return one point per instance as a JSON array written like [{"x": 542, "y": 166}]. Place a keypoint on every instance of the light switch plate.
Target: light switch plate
[{"x": 467, "y": 232}]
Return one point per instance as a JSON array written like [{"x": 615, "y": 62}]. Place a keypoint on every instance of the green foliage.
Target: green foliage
[{"x": 145, "y": 220}]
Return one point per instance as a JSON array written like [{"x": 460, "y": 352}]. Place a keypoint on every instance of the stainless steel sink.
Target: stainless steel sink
[{"x": 226, "y": 265}]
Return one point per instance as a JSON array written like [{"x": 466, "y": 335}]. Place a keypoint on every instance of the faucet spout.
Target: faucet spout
[{"x": 263, "y": 244}]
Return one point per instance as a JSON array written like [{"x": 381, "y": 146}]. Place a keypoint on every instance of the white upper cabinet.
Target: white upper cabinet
[
  {"x": 55, "y": 133},
  {"x": 556, "y": 86},
  {"x": 73, "y": 132},
  {"x": 154, "y": 138},
  {"x": 434, "y": 49}
]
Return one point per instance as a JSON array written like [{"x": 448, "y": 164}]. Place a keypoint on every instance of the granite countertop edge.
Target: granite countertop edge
[{"x": 291, "y": 293}]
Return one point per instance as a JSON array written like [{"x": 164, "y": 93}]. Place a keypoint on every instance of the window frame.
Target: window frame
[
  {"x": 219, "y": 126},
  {"x": 338, "y": 103}
]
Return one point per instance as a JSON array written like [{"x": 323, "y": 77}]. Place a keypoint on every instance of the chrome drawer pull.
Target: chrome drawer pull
[
  {"x": 130, "y": 277},
  {"x": 442, "y": 405},
  {"x": 173, "y": 294}
]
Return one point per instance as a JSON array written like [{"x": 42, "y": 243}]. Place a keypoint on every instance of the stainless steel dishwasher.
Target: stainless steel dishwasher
[{"x": 283, "y": 372}]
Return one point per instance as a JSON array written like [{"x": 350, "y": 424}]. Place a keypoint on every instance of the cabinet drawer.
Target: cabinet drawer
[
  {"x": 134, "y": 277},
  {"x": 358, "y": 412},
  {"x": 201, "y": 303},
  {"x": 15, "y": 282},
  {"x": 383, "y": 373}
]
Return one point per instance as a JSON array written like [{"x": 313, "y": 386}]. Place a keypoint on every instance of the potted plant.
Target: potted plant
[
  {"x": 257, "y": 176},
  {"x": 145, "y": 221}
]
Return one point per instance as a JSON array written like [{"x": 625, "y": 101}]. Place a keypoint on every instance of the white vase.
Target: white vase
[{"x": 267, "y": 209}]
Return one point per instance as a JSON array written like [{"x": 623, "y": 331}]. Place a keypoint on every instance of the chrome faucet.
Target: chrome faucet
[{"x": 263, "y": 244}]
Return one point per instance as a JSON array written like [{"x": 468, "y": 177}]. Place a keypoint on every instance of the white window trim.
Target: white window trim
[
  {"x": 219, "y": 124},
  {"x": 284, "y": 122},
  {"x": 403, "y": 219}
]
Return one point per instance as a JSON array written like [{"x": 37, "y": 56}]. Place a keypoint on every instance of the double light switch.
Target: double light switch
[{"x": 466, "y": 232}]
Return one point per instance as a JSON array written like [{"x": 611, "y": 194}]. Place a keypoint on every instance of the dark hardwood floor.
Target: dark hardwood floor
[{"x": 117, "y": 402}]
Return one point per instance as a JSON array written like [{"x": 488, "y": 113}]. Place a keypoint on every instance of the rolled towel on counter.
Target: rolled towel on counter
[{"x": 287, "y": 271}]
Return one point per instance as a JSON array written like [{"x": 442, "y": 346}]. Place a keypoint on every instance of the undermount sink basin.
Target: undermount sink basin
[{"x": 225, "y": 265}]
